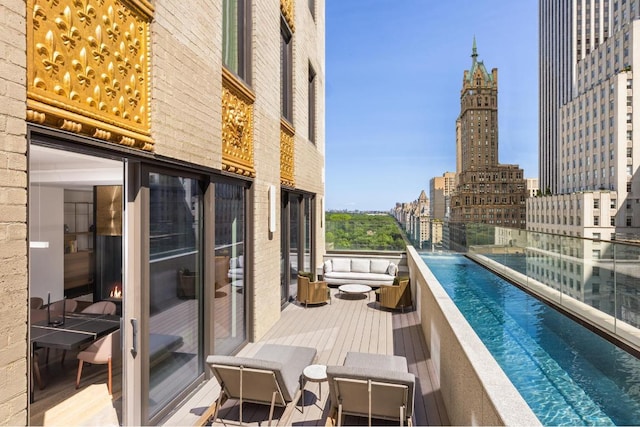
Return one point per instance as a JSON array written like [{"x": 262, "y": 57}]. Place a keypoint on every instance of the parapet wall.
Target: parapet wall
[{"x": 474, "y": 388}]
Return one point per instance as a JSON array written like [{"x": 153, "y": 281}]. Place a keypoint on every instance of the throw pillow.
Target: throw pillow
[
  {"x": 393, "y": 269},
  {"x": 360, "y": 265},
  {"x": 379, "y": 266},
  {"x": 341, "y": 264},
  {"x": 327, "y": 267}
]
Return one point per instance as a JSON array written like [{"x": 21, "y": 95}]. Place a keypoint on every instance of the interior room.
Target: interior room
[{"x": 75, "y": 261}]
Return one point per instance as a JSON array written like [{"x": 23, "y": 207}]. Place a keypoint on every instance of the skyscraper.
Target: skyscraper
[
  {"x": 486, "y": 191},
  {"x": 587, "y": 100}
]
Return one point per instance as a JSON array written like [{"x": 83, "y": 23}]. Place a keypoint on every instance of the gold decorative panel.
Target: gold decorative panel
[
  {"x": 286, "y": 155},
  {"x": 286, "y": 7},
  {"x": 237, "y": 126},
  {"x": 88, "y": 68}
]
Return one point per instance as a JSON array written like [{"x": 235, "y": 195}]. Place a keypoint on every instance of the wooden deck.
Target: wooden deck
[{"x": 348, "y": 324}]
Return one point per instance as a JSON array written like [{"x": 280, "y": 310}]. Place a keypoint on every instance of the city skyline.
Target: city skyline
[{"x": 391, "y": 129}]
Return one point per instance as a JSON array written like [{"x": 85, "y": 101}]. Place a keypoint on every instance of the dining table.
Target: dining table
[{"x": 77, "y": 331}]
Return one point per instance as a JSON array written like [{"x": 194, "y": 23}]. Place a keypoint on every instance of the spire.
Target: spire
[{"x": 474, "y": 50}]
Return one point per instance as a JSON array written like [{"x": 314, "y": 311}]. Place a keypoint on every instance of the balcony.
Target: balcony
[{"x": 458, "y": 381}]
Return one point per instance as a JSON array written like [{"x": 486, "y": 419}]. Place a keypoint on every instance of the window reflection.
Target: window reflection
[
  {"x": 175, "y": 324},
  {"x": 229, "y": 307}
]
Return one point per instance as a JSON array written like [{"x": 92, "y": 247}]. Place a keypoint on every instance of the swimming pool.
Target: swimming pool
[{"x": 567, "y": 374}]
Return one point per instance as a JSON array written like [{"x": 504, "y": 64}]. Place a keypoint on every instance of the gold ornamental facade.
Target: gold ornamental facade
[{"x": 88, "y": 68}]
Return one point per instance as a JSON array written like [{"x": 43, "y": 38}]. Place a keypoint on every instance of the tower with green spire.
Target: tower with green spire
[{"x": 486, "y": 191}]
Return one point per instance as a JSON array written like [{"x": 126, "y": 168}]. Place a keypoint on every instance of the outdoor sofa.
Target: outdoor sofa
[{"x": 365, "y": 271}]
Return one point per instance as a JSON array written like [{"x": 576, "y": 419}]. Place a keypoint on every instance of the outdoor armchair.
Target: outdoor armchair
[
  {"x": 395, "y": 296},
  {"x": 310, "y": 291}
]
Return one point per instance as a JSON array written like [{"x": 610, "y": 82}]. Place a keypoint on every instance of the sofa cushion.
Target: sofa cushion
[
  {"x": 393, "y": 269},
  {"x": 328, "y": 266},
  {"x": 360, "y": 265},
  {"x": 379, "y": 266},
  {"x": 373, "y": 277},
  {"x": 341, "y": 264}
]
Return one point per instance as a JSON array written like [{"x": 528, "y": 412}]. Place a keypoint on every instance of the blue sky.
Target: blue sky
[{"x": 393, "y": 77}]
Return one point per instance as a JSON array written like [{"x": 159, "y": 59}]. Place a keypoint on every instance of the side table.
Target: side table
[{"x": 314, "y": 374}]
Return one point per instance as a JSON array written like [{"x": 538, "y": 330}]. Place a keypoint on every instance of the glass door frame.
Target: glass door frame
[
  {"x": 138, "y": 257},
  {"x": 287, "y": 197}
]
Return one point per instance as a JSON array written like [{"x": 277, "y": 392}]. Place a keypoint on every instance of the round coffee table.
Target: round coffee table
[
  {"x": 314, "y": 374},
  {"x": 354, "y": 288}
]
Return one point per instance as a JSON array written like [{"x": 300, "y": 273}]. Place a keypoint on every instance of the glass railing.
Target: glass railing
[{"x": 598, "y": 280}]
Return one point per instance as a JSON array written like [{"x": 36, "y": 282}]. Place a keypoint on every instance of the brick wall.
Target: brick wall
[
  {"x": 186, "y": 81},
  {"x": 13, "y": 215}
]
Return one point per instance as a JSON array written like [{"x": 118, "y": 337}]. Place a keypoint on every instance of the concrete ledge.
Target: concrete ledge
[{"x": 474, "y": 388}]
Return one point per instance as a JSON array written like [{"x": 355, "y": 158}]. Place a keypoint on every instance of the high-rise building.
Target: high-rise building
[
  {"x": 441, "y": 187},
  {"x": 415, "y": 219},
  {"x": 532, "y": 186},
  {"x": 588, "y": 111},
  {"x": 486, "y": 191}
]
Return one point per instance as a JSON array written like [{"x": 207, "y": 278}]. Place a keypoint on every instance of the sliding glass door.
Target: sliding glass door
[
  {"x": 175, "y": 299},
  {"x": 296, "y": 252},
  {"x": 229, "y": 320}
]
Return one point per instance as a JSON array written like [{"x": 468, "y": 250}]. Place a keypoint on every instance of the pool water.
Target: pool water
[{"x": 567, "y": 374}]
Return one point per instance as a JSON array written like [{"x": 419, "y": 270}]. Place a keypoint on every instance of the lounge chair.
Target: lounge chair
[
  {"x": 373, "y": 386},
  {"x": 272, "y": 377}
]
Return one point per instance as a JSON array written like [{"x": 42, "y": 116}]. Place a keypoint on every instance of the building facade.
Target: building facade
[
  {"x": 146, "y": 145},
  {"x": 486, "y": 191},
  {"x": 591, "y": 134},
  {"x": 441, "y": 187},
  {"x": 414, "y": 218}
]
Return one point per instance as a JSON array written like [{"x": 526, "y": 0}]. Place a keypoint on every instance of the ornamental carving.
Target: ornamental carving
[
  {"x": 237, "y": 127},
  {"x": 88, "y": 68},
  {"x": 286, "y": 7},
  {"x": 286, "y": 155}
]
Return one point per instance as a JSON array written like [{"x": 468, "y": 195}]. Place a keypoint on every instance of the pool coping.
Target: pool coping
[{"x": 474, "y": 387}]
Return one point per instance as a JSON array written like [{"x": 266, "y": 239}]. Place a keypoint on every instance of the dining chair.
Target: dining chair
[
  {"x": 69, "y": 305},
  {"x": 100, "y": 307},
  {"x": 35, "y": 303},
  {"x": 100, "y": 352}
]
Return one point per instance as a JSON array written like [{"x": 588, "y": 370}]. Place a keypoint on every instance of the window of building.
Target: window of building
[
  {"x": 311, "y": 109},
  {"x": 286, "y": 71},
  {"x": 596, "y": 220},
  {"x": 236, "y": 37}
]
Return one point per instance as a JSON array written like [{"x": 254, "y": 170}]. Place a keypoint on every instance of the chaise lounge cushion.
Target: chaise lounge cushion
[
  {"x": 377, "y": 368},
  {"x": 287, "y": 362}
]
